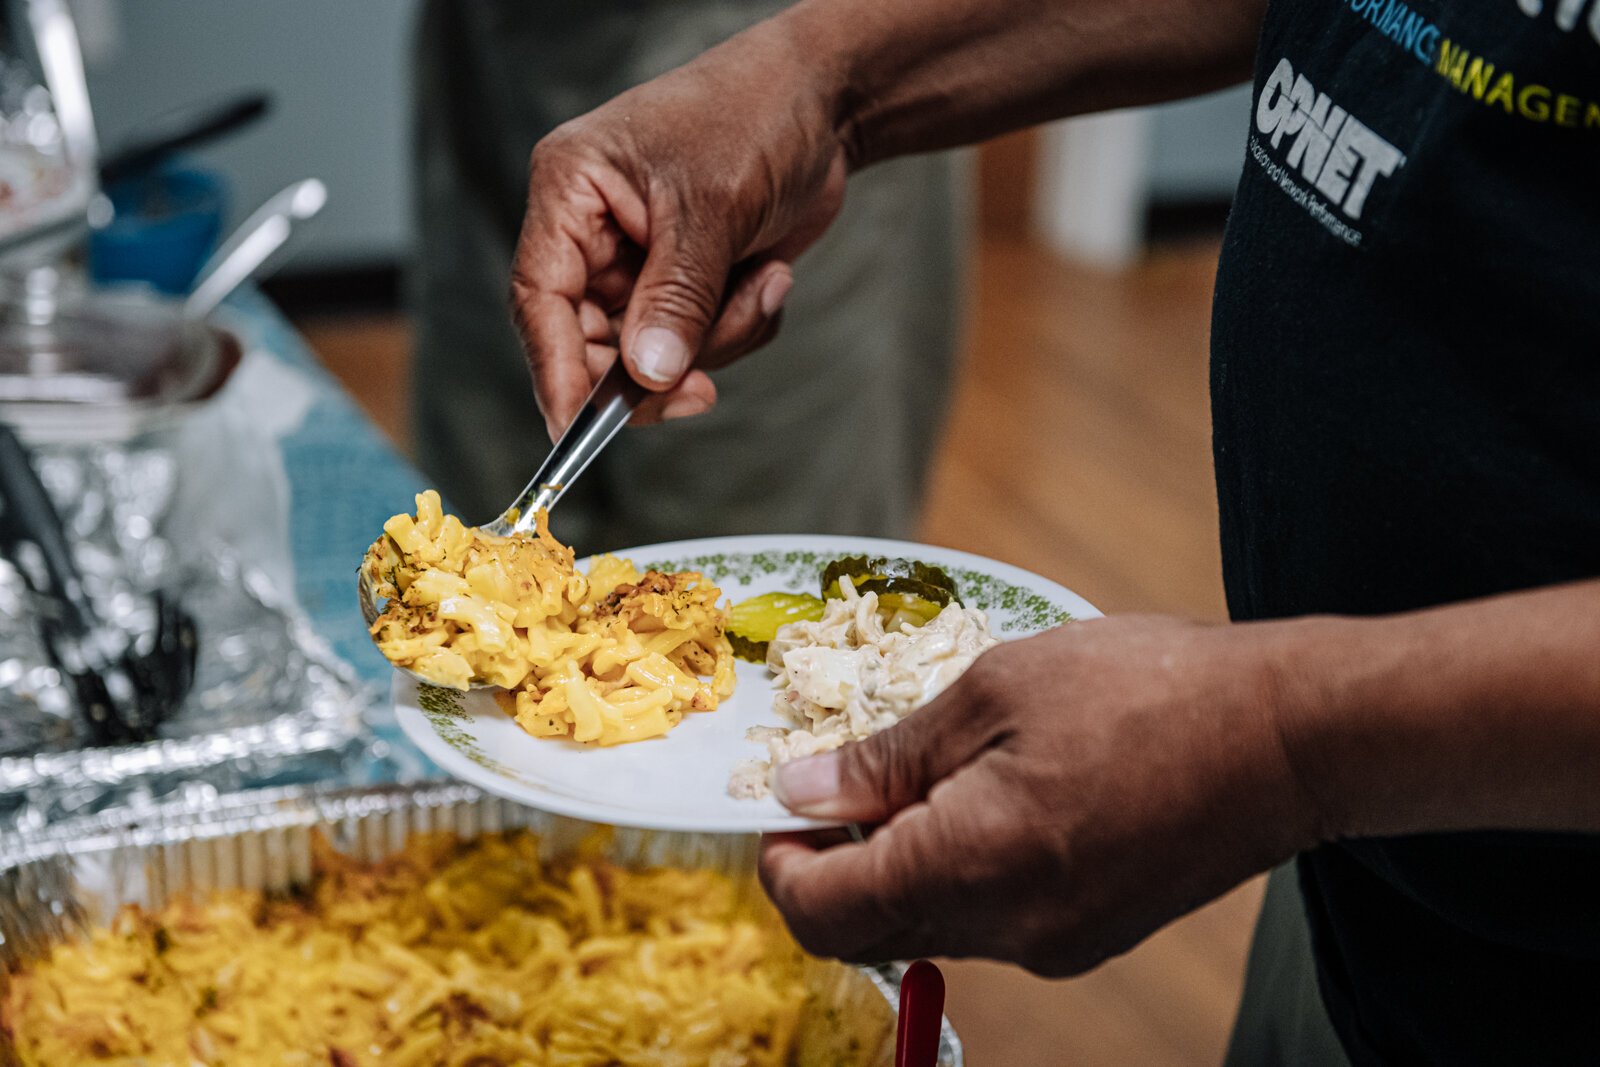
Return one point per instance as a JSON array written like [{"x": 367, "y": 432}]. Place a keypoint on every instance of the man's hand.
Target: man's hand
[
  {"x": 1066, "y": 797},
  {"x": 666, "y": 222},
  {"x": 1073, "y": 792}
]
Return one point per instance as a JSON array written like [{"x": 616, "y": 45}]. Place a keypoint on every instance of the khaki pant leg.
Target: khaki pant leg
[{"x": 829, "y": 429}]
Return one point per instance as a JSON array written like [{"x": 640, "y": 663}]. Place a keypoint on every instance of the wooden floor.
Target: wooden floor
[{"x": 1079, "y": 447}]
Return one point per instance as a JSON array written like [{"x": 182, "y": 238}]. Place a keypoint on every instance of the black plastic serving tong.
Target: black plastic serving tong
[{"x": 124, "y": 685}]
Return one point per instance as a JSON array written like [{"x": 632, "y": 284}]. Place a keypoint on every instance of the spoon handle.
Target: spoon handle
[
  {"x": 173, "y": 132},
  {"x": 29, "y": 517},
  {"x": 921, "y": 1016},
  {"x": 252, "y": 244},
  {"x": 606, "y": 411},
  {"x": 55, "y": 35}
]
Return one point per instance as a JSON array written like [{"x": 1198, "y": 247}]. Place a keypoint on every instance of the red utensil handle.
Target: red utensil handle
[{"x": 921, "y": 1016}]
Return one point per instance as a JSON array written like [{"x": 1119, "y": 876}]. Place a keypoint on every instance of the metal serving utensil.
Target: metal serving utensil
[
  {"x": 606, "y": 411},
  {"x": 921, "y": 1016},
  {"x": 124, "y": 684},
  {"x": 256, "y": 240},
  {"x": 169, "y": 134}
]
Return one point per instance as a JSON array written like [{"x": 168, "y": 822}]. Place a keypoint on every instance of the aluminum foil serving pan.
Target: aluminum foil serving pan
[{"x": 56, "y": 881}]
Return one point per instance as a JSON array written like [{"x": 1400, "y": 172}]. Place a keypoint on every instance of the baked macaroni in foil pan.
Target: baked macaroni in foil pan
[{"x": 58, "y": 882}]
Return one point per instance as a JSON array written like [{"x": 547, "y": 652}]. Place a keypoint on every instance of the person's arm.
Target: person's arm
[
  {"x": 666, "y": 221},
  {"x": 1076, "y": 791},
  {"x": 1482, "y": 715},
  {"x": 903, "y": 76}
]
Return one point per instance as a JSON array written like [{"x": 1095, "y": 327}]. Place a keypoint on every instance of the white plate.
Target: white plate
[{"x": 679, "y": 782}]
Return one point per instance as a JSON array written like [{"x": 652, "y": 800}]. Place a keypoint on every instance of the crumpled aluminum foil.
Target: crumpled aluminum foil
[
  {"x": 269, "y": 699},
  {"x": 109, "y": 500}
]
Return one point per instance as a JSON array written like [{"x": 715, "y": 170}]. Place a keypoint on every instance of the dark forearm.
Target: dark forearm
[
  {"x": 1481, "y": 715},
  {"x": 912, "y": 75}
]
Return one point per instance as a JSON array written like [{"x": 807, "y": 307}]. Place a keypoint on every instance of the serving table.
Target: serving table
[{"x": 345, "y": 479}]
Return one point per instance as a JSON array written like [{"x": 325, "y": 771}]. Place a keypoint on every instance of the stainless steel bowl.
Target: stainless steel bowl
[
  {"x": 98, "y": 366},
  {"x": 55, "y": 881}
]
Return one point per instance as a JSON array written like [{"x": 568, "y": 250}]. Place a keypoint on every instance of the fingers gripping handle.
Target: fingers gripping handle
[{"x": 604, "y": 413}]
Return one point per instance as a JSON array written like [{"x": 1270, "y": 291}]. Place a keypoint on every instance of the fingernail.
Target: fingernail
[
  {"x": 808, "y": 784},
  {"x": 660, "y": 355},
  {"x": 684, "y": 406},
  {"x": 774, "y": 291}
]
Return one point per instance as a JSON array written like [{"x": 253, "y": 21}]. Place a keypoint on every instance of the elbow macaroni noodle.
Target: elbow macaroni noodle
[
  {"x": 602, "y": 658},
  {"x": 449, "y": 953}
]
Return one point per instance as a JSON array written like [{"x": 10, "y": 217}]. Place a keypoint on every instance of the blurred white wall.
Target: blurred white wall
[
  {"x": 1197, "y": 146},
  {"x": 1100, "y": 174},
  {"x": 338, "y": 72}
]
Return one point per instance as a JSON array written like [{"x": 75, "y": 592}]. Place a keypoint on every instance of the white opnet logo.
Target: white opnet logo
[
  {"x": 1567, "y": 13},
  {"x": 1333, "y": 150}
]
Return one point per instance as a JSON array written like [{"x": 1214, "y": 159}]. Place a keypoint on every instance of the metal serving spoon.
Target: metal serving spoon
[
  {"x": 256, "y": 240},
  {"x": 605, "y": 412}
]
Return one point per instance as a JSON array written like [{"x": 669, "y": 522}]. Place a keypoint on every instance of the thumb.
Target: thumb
[
  {"x": 870, "y": 780},
  {"x": 677, "y": 296}
]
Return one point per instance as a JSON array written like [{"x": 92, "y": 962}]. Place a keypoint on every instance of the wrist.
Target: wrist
[
  {"x": 1306, "y": 676},
  {"x": 1362, "y": 718},
  {"x": 816, "y": 42}
]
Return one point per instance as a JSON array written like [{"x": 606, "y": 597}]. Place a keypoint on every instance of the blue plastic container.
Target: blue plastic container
[{"x": 167, "y": 222}]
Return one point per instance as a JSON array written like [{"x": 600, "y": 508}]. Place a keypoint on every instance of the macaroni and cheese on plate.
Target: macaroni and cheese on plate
[{"x": 602, "y": 657}]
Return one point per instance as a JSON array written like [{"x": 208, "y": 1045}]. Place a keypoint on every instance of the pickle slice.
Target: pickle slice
[
  {"x": 753, "y": 623},
  {"x": 908, "y": 589},
  {"x": 912, "y": 608},
  {"x": 891, "y": 577}
]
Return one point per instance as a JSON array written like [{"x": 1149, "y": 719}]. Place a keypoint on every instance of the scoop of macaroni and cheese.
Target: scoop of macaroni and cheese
[{"x": 608, "y": 656}]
